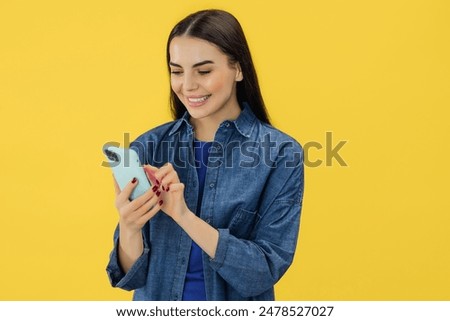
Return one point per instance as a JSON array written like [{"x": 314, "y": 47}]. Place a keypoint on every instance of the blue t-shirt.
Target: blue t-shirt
[{"x": 194, "y": 284}]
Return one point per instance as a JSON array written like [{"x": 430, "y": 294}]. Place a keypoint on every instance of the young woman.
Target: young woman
[{"x": 222, "y": 219}]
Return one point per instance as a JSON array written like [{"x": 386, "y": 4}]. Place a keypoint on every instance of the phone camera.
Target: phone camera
[{"x": 111, "y": 155}]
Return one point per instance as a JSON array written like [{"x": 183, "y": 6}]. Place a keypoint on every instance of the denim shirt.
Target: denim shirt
[{"x": 253, "y": 196}]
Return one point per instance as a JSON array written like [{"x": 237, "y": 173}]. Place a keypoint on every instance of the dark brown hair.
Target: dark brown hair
[{"x": 224, "y": 31}]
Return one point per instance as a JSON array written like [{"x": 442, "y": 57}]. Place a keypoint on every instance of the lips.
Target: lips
[{"x": 196, "y": 101}]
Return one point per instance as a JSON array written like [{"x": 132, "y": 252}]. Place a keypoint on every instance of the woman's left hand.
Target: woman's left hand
[{"x": 172, "y": 190}]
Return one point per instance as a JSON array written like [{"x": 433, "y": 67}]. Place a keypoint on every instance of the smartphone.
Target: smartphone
[{"x": 125, "y": 165}]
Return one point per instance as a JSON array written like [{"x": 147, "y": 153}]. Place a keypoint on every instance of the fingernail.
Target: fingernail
[
  {"x": 155, "y": 188},
  {"x": 157, "y": 182},
  {"x": 134, "y": 180},
  {"x": 167, "y": 189},
  {"x": 158, "y": 193},
  {"x": 161, "y": 202},
  {"x": 163, "y": 188}
]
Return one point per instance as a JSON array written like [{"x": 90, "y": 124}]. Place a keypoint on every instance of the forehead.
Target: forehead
[{"x": 187, "y": 50}]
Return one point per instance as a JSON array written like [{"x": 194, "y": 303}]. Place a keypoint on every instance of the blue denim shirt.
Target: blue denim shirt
[{"x": 253, "y": 196}]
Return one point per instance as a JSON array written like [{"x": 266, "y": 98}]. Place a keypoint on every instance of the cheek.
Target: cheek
[
  {"x": 175, "y": 84},
  {"x": 216, "y": 84}
]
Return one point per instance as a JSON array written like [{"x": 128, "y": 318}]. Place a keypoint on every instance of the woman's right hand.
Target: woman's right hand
[{"x": 134, "y": 214}]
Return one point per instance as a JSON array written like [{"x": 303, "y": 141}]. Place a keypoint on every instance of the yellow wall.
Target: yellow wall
[{"x": 77, "y": 74}]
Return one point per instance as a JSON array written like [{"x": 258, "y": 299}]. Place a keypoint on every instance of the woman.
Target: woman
[{"x": 222, "y": 219}]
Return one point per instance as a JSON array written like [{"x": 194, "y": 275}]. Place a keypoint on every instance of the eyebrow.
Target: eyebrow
[{"x": 198, "y": 64}]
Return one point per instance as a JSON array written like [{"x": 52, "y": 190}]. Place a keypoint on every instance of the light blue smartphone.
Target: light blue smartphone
[{"x": 125, "y": 165}]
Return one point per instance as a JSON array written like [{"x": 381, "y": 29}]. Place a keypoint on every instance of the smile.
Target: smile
[{"x": 199, "y": 99}]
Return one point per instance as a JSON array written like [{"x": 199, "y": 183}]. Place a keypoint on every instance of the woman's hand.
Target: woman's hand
[
  {"x": 166, "y": 178},
  {"x": 174, "y": 205},
  {"x": 134, "y": 214}
]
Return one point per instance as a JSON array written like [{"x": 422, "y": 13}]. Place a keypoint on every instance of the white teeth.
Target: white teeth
[{"x": 198, "y": 100}]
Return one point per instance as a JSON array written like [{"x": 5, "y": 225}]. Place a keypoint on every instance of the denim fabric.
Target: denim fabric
[{"x": 253, "y": 196}]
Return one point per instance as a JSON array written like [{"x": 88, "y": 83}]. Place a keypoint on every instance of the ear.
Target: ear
[{"x": 239, "y": 76}]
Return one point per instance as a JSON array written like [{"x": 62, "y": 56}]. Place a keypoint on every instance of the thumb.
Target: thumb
[{"x": 150, "y": 172}]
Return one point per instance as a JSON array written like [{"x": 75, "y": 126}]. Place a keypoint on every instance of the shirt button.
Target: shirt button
[
  {"x": 183, "y": 261},
  {"x": 211, "y": 185},
  {"x": 227, "y": 124}
]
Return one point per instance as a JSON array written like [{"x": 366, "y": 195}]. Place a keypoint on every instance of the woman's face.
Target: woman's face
[{"x": 203, "y": 79}]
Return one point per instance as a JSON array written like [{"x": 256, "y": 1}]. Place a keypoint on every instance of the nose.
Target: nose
[{"x": 190, "y": 82}]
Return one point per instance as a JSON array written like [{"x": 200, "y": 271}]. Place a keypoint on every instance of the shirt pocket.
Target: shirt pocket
[{"x": 243, "y": 223}]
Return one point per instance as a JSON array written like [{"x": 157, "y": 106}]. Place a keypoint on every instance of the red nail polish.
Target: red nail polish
[
  {"x": 134, "y": 180},
  {"x": 158, "y": 193},
  {"x": 167, "y": 188},
  {"x": 157, "y": 182},
  {"x": 163, "y": 188},
  {"x": 155, "y": 188},
  {"x": 161, "y": 202}
]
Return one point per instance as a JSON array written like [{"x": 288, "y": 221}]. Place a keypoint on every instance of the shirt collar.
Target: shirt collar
[
  {"x": 182, "y": 121},
  {"x": 244, "y": 123}
]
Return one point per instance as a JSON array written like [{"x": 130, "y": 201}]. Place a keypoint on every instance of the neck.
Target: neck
[
  {"x": 206, "y": 128},
  {"x": 205, "y": 131}
]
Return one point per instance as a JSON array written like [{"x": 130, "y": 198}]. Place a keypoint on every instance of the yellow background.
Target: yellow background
[{"x": 77, "y": 74}]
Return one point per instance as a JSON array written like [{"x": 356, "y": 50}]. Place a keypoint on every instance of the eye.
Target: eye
[
  {"x": 204, "y": 72},
  {"x": 176, "y": 72}
]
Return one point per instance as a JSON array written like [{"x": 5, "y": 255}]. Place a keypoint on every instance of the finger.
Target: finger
[
  {"x": 169, "y": 176},
  {"x": 153, "y": 168},
  {"x": 163, "y": 171},
  {"x": 147, "y": 206},
  {"x": 168, "y": 180},
  {"x": 141, "y": 200},
  {"x": 150, "y": 172},
  {"x": 124, "y": 196},
  {"x": 147, "y": 216},
  {"x": 139, "y": 206},
  {"x": 176, "y": 187}
]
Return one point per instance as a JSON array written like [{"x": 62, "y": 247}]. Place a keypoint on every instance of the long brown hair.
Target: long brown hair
[{"x": 223, "y": 30}]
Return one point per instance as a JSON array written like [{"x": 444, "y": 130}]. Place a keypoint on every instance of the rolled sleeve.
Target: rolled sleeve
[
  {"x": 136, "y": 277},
  {"x": 221, "y": 250},
  {"x": 253, "y": 265}
]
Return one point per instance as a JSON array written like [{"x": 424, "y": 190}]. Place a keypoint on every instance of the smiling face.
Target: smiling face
[{"x": 204, "y": 80}]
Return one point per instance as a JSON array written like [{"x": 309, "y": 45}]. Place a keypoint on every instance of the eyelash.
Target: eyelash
[{"x": 201, "y": 72}]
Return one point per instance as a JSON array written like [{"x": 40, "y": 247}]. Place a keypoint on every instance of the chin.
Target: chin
[{"x": 199, "y": 112}]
